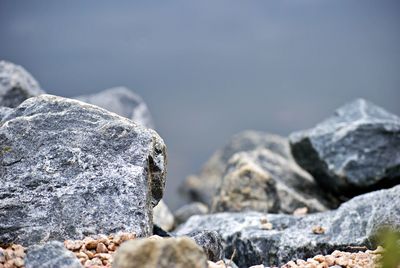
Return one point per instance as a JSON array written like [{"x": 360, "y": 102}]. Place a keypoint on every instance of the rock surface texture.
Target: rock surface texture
[
  {"x": 202, "y": 187},
  {"x": 183, "y": 213},
  {"x": 262, "y": 180},
  {"x": 354, "y": 151},
  {"x": 122, "y": 101},
  {"x": 16, "y": 85},
  {"x": 160, "y": 253},
  {"x": 274, "y": 239},
  {"x": 51, "y": 255},
  {"x": 70, "y": 169},
  {"x": 211, "y": 243}
]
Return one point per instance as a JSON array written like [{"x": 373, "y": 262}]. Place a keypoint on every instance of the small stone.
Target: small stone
[
  {"x": 101, "y": 248},
  {"x": 19, "y": 262},
  {"x": 9, "y": 264},
  {"x": 318, "y": 229},
  {"x": 267, "y": 226},
  {"x": 73, "y": 244},
  {"x": 91, "y": 244},
  {"x": 9, "y": 254},
  {"x": 300, "y": 211},
  {"x": 112, "y": 247},
  {"x": 81, "y": 255},
  {"x": 319, "y": 258}
]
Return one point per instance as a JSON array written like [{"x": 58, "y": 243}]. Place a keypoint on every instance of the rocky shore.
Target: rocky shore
[{"x": 82, "y": 181}]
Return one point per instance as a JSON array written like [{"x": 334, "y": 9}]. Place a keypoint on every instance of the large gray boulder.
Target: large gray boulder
[
  {"x": 51, "y": 255},
  {"x": 274, "y": 239},
  {"x": 203, "y": 187},
  {"x": 261, "y": 180},
  {"x": 122, "y": 101},
  {"x": 354, "y": 151},
  {"x": 69, "y": 169},
  {"x": 16, "y": 85}
]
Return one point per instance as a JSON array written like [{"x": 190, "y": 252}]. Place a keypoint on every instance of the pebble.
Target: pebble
[
  {"x": 318, "y": 229},
  {"x": 367, "y": 259}
]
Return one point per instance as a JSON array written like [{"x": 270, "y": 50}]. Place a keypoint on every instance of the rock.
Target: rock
[
  {"x": 264, "y": 181},
  {"x": 202, "y": 187},
  {"x": 50, "y": 255},
  {"x": 16, "y": 85},
  {"x": 160, "y": 232},
  {"x": 211, "y": 243},
  {"x": 69, "y": 169},
  {"x": 160, "y": 253},
  {"x": 163, "y": 217},
  {"x": 122, "y": 101},
  {"x": 222, "y": 264},
  {"x": 186, "y": 211},
  {"x": 339, "y": 259},
  {"x": 354, "y": 223},
  {"x": 354, "y": 151},
  {"x": 4, "y": 111}
]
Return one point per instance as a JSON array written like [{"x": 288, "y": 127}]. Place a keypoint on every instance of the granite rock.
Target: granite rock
[
  {"x": 354, "y": 151},
  {"x": 69, "y": 169},
  {"x": 51, "y": 255},
  {"x": 275, "y": 239},
  {"x": 160, "y": 253},
  {"x": 16, "y": 85},
  {"x": 211, "y": 243},
  {"x": 122, "y": 101},
  {"x": 202, "y": 187},
  {"x": 262, "y": 180},
  {"x": 183, "y": 213}
]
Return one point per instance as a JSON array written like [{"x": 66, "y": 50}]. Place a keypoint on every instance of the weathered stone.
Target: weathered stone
[
  {"x": 16, "y": 85},
  {"x": 211, "y": 243},
  {"x": 122, "y": 101},
  {"x": 202, "y": 187},
  {"x": 70, "y": 169},
  {"x": 160, "y": 253},
  {"x": 4, "y": 111},
  {"x": 50, "y": 255},
  {"x": 186, "y": 211},
  {"x": 354, "y": 223},
  {"x": 163, "y": 217},
  {"x": 354, "y": 151},
  {"x": 261, "y": 180}
]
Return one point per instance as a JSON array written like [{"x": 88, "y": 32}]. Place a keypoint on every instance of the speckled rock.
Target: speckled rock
[
  {"x": 51, "y": 255},
  {"x": 211, "y": 243},
  {"x": 4, "y": 111},
  {"x": 261, "y": 180},
  {"x": 275, "y": 239},
  {"x": 69, "y": 169},
  {"x": 163, "y": 217},
  {"x": 122, "y": 101},
  {"x": 202, "y": 187},
  {"x": 160, "y": 253},
  {"x": 183, "y": 213},
  {"x": 354, "y": 151},
  {"x": 16, "y": 85}
]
